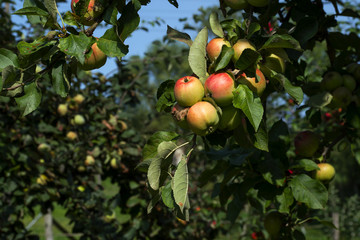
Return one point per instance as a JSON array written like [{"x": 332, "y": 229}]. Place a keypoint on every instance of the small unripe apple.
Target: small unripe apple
[
  {"x": 79, "y": 119},
  {"x": 230, "y": 118},
  {"x": 113, "y": 163},
  {"x": 236, "y": 4},
  {"x": 306, "y": 143},
  {"x": 273, "y": 223},
  {"x": 89, "y": 161},
  {"x": 81, "y": 169},
  {"x": 87, "y": 15},
  {"x": 203, "y": 118},
  {"x": 79, "y": 98},
  {"x": 256, "y": 86},
  {"x": 44, "y": 147},
  {"x": 331, "y": 81},
  {"x": 179, "y": 115},
  {"x": 188, "y": 91},
  {"x": 71, "y": 135},
  {"x": 326, "y": 172},
  {"x": 62, "y": 109},
  {"x": 349, "y": 82},
  {"x": 96, "y": 60},
  {"x": 354, "y": 69},
  {"x": 239, "y": 47},
  {"x": 214, "y": 47},
  {"x": 220, "y": 87},
  {"x": 341, "y": 97}
]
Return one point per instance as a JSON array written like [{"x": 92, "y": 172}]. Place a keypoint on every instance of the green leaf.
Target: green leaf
[
  {"x": 166, "y": 148},
  {"x": 155, "y": 197},
  {"x": 76, "y": 45},
  {"x": 165, "y": 95},
  {"x": 295, "y": 92},
  {"x": 261, "y": 138},
  {"x": 60, "y": 82},
  {"x": 247, "y": 58},
  {"x": 253, "y": 28},
  {"x": 282, "y": 41},
  {"x": 112, "y": 45},
  {"x": 31, "y": 100},
  {"x": 32, "y": 18},
  {"x": 215, "y": 25},
  {"x": 128, "y": 22},
  {"x": 309, "y": 191},
  {"x": 52, "y": 8},
  {"x": 167, "y": 197},
  {"x": 181, "y": 183},
  {"x": 306, "y": 28},
  {"x": 154, "y": 173},
  {"x": 273, "y": 170},
  {"x": 225, "y": 57},
  {"x": 307, "y": 165},
  {"x": 150, "y": 149},
  {"x": 31, "y": 11},
  {"x": 324, "y": 222},
  {"x": 252, "y": 107},
  {"x": 355, "y": 149},
  {"x": 286, "y": 199},
  {"x": 179, "y": 36},
  {"x": 197, "y": 55},
  {"x": 7, "y": 58},
  {"x": 320, "y": 100},
  {"x": 30, "y": 48}
]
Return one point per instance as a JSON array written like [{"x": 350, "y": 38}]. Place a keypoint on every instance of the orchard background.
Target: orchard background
[{"x": 98, "y": 155}]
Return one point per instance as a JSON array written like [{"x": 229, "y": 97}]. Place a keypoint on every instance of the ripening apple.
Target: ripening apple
[
  {"x": 306, "y": 143},
  {"x": 258, "y": 3},
  {"x": 87, "y": 15},
  {"x": 230, "y": 118},
  {"x": 79, "y": 119},
  {"x": 71, "y": 135},
  {"x": 220, "y": 87},
  {"x": 44, "y": 147},
  {"x": 331, "y": 81},
  {"x": 96, "y": 60},
  {"x": 273, "y": 223},
  {"x": 203, "y": 118},
  {"x": 274, "y": 60},
  {"x": 179, "y": 115},
  {"x": 239, "y": 47},
  {"x": 341, "y": 97},
  {"x": 188, "y": 91},
  {"x": 62, "y": 109},
  {"x": 354, "y": 69},
  {"x": 349, "y": 82},
  {"x": 89, "y": 161},
  {"x": 257, "y": 86},
  {"x": 214, "y": 47},
  {"x": 326, "y": 172},
  {"x": 236, "y": 4},
  {"x": 79, "y": 98}
]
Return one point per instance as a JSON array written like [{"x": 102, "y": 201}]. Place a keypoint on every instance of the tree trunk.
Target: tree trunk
[
  {"x": 336, "y": 222},
  {"x": 48, "y": 226}
]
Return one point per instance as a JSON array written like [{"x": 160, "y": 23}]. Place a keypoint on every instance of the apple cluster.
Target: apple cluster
[
  {"x": 342, "y": 85},
  {"x": 244, "y": 4}
]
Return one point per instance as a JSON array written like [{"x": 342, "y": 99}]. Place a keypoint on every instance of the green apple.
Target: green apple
[
  {"x": 236, "y": 4},
  {"x": 341, "y": 97},
  {"x": 89, "y": 161},
  {"x": 114, "y": 163},
  {"x": 44, "y": 147},
  {"x": 239, "y": 47},
  {"x": 79, "y": 98},
  {"x": 230, "y": 118},
  {"x": 273, "y": 223},
  {"x": 274, "y": 60},
  {"x": 354, "y": 69},
  {"x": 62, "y": 109},
  {"x": 258, "y": 3},
  {"x": 79, "y": 119},
  {"x": 331, "y": 81},
  {"x": 326, "y": 172},
  {"x": 349, "y": 82}
]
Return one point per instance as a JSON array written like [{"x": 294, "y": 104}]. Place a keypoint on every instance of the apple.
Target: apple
[
  {"x": 354, "y": 69},
  {"x": 230, "y": 119},
  {"x": 42, "y": 179},
  {"x": 306, "y": 143},
  {"x": 113, "y": 163},
  {"x": 89, "y": 161},
  {"x": 341, "y": 97},
  {"x": 62, "y": 109},
  {"x": 87, "y": 15},
  {"x": 251, "y": 82},
  {"x": 96, "y": 60},
  {"x": 258, "y": 3},
  {"x": 274, "y": 60},
  {"x": 81, "y": 169},
  {"x": 202, "y": 118},
  {"x": 79, "y": 98},
  {"x": 44, "y": 147},
  {"x": 326, "y": 172},
  {"x": 179, "y": 115},
  {"x": 220, "y": 87},
  {"x": 331, "y": 81},
  {"x": 239, "y": 47},
  {"x": 214, "y": 47},
  {"x": 273, "y": 223},
  {"x": 188, "y": 91},
  {"x": 71, "y": 135},
  {"x": 349, "y": 82},
  {"x": 79, "y": 119},
  {"x": 236, "y": 4}
]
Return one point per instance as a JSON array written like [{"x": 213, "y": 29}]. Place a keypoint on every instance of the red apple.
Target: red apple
[
  {"x": 87, "y": 15},
  {"x": 326, "y": 172},
  {"x": 257, "y": 87},
  {"x": 188, "y": 91},
  {"x": 203, "y": 118},
  {"x": 306, "y": 143},
  {"x": 230, "y": 118},
  {"x": 214, "y": 47},
  {"x": 239, "y": 47},
  {"x": 220, "y": 87},
  {"x": 331, "y": 81},
  {"x": 96, "y": 60},
  {"x": 236, "y": 4}
]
